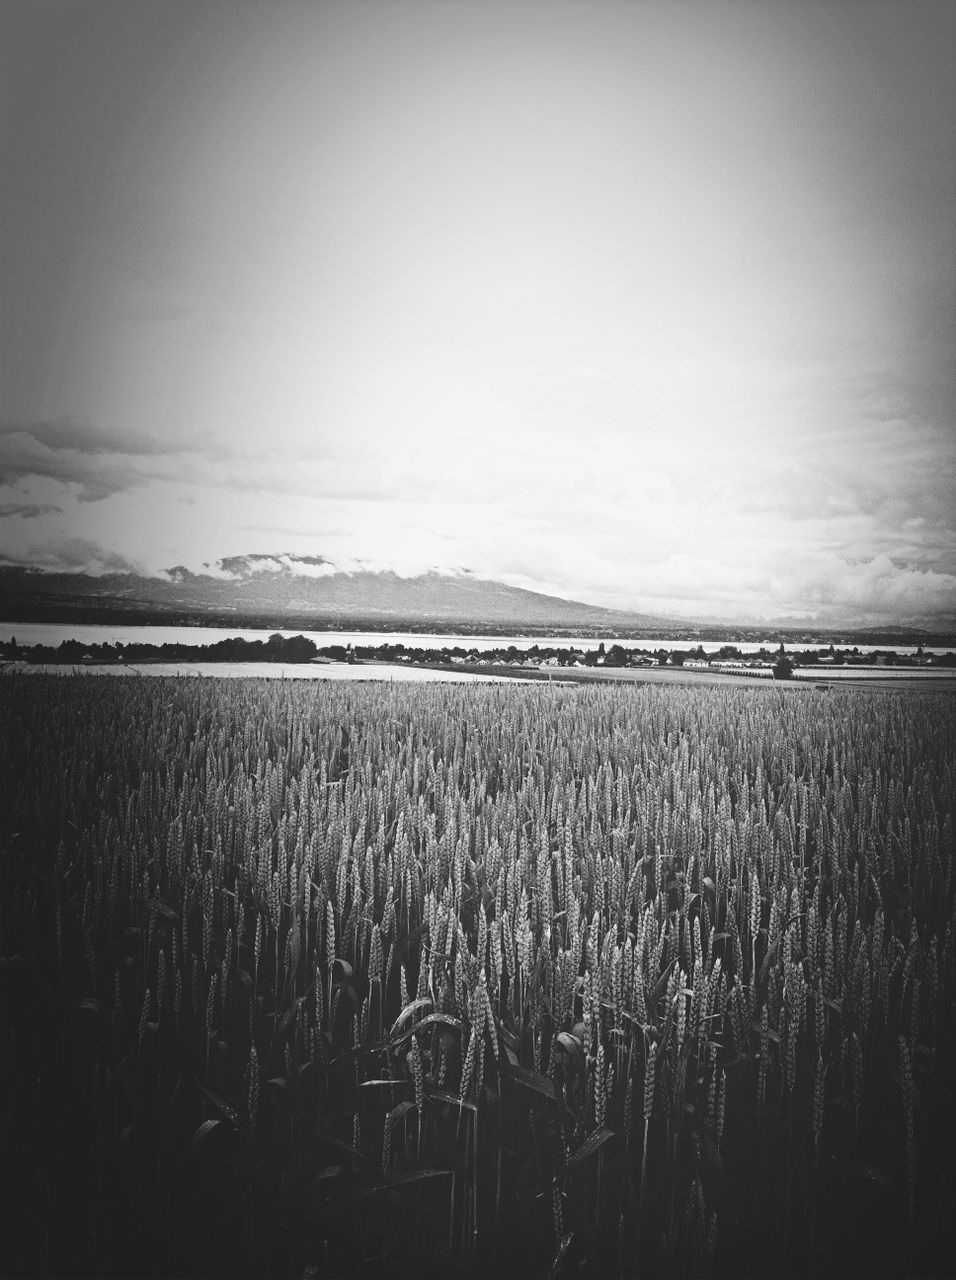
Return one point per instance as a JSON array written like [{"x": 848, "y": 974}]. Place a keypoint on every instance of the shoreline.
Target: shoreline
[{"x": 486, "y": 673}]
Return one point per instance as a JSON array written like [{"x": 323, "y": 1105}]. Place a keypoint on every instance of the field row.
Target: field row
[{"x": 370, "y": 980}]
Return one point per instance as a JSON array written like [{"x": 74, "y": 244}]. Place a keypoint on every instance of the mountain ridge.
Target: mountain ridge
[
  {"x": 279, "y": 590},
  {"x": 311, "y": 588}
]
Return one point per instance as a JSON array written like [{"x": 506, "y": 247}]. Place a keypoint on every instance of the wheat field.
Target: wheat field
[{"x": 427, "y": 980}]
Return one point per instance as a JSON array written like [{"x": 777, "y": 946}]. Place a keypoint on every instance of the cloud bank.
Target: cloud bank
[{"x": 649, "y": 305}]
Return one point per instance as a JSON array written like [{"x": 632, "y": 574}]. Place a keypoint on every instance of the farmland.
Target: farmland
[{"x": 422, "y": 980}]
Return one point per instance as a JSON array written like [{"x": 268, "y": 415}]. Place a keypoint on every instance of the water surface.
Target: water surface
[{"x": 54, "y": 633}]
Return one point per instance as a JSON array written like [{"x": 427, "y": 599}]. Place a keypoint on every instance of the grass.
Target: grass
[{"x": 415, "y": 979}]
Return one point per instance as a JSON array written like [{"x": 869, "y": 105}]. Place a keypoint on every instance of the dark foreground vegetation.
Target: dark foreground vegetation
[
  {"x": 451, "y": 980},
  {"x": 277, "y": 648}
]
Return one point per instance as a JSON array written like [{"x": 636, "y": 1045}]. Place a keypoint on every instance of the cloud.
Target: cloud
[
  {"x": 27, "y": 510},
  {"x": 98, "y": 461},
  {"x": 76, "y": 435},
  {"x": 79, "y": 435},
  {"x": 874, "y": 590},
  {"x": 66, "y": 554},
  {"x": 311, "y": 566},
  {"x": 825, "y": 586},
  {"x": 93, "y": 476}
]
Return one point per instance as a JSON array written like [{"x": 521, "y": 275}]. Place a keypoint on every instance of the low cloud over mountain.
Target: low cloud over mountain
[{"x": 305, "y": 588}]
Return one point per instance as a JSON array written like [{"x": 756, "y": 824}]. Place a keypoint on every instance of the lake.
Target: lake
[
  {"x": 53, "y": 633},
  {"x": 271, "y": 671}
]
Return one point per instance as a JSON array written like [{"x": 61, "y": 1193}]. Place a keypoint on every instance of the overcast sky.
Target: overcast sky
[{"x": 648, "y": 304}]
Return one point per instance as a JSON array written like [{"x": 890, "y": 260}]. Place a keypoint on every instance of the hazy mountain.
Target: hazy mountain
[
  {"x": 287, "y": 590},
  {"x": 315, "y": 593}
]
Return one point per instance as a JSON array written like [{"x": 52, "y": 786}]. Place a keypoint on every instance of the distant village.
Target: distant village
[
  {"x": 537, "y": 659},
  {"x": 766, "y": 661}
]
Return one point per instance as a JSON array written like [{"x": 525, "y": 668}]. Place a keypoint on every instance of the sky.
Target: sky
[{"x": 646, "y": 304}]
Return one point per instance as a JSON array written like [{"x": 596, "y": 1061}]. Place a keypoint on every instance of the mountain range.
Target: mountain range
[
  {"x": 289, "y": 590},
  {"x": 312, "y": 592}
]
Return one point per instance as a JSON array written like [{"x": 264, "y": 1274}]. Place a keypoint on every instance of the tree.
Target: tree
[
  {"x": 299, "y": 649},
  {"x": 783, "y": 668}
]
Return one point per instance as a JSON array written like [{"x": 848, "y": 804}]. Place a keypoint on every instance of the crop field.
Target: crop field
[{"x": 422, "y": 980}]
